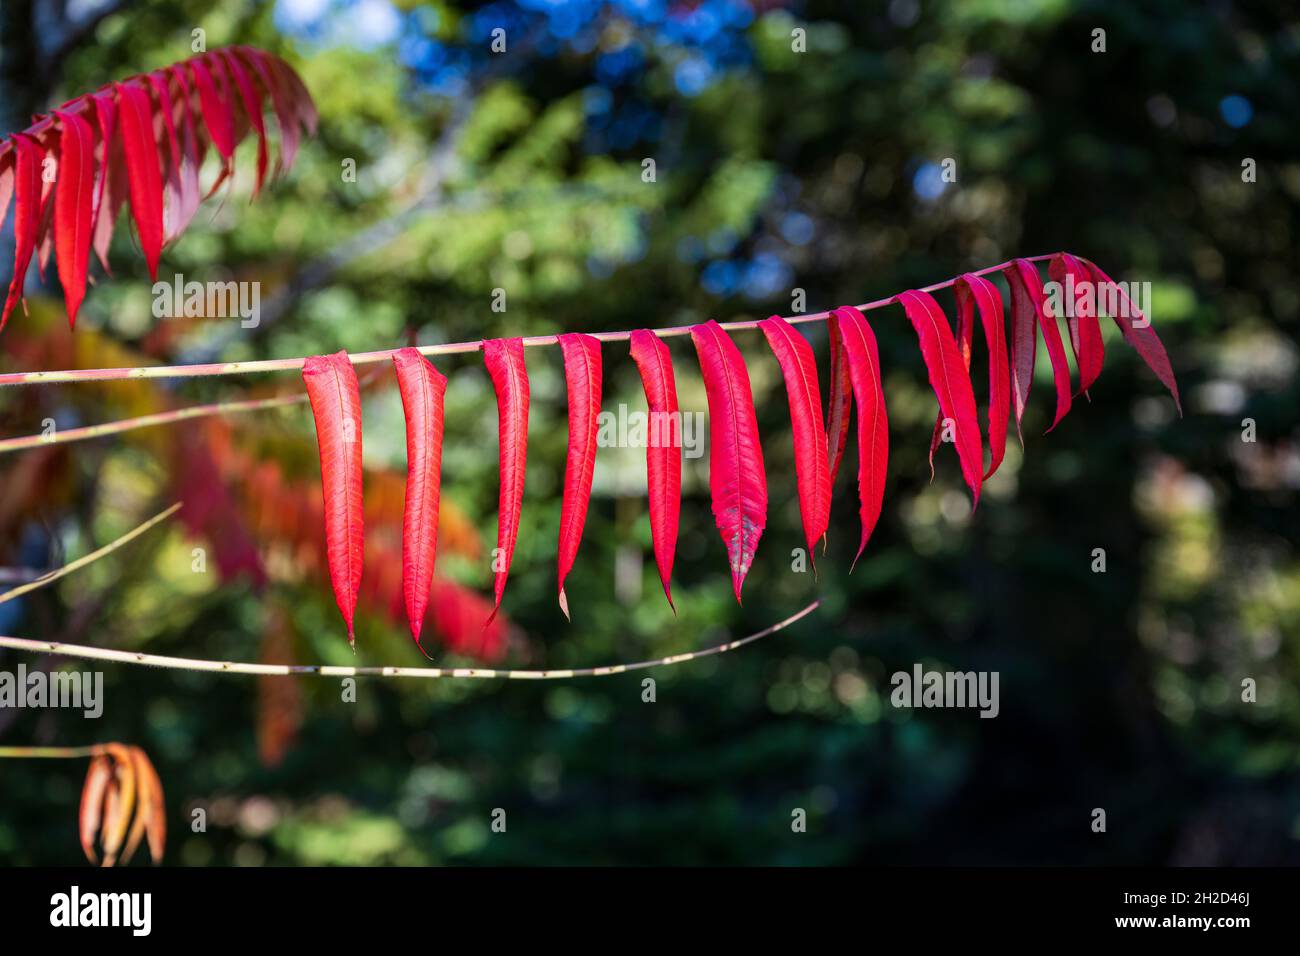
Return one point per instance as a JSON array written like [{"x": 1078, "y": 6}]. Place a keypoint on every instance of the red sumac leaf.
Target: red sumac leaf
[
  {"x": 812, "y": 470},
  {"x": 975, "y": 291},
  {"x": 582, "y": 375},
  {"x": 336, "y": 406},
  {"x": 217, "y": 114},
  {"x": 285, "y": 113},
  {"x": 839, "y": 402},
  {"x": 252, "y": 108},
  {"x": 129, "y": 160},
  {"x": 737, "y": 483},
  {"x": 45, "y": 231},
  {"x": 29, "y": 155},
  {"x": 860, "y": 359},
  {"x": 74, "y": 197},
  {"x": 1137, "y": 329},
  {"x": 423, "y": 388},
  {"x": 504, "y": 359},
  {"x": 1080, "y": 304},
  {"x": 143, "y": 173},
  {"x": 190, "y": 194},
  {"x": 950, "y": 381},
  {"x": 1029, "y": 309},
  {"x": 160, "y": 82},
  {"x": 105, "y": 105},
  {"x": 663, "y": 453},
  {"x": 112, "y": 190}
]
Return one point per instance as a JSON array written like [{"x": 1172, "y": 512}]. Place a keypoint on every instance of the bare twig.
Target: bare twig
[
  {"x": 284, "y": 670},
  {"x": 51, "y": 753},
  {"x": 146, "y": 421},
  {"x": 95, "y": 555},
  {"x": 368, "y": 358}
]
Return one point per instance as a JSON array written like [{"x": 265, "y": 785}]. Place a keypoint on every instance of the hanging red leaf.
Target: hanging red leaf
[
  {"x": 860, "y": 359},
  {"x": 1080, "y": 307},
  {"x": 839, "y": 401},
  {"x": 950, "y": 381},
  {"x": 972, "y": 291},
  {"x": 505, "y": 364},
  {"x": 191, "y": 194},
  {"x": 582, "y": 375},
  {"x": 217, "y": 113},
  {"x": 49, "y": 176},
  {"x": 172, "y": 170},
  {"x": 159, "y": 82},
  {"x": 128, "y": 123},
  {"x": 29, "y": 155},
  {"x": 336, "y": 406},
  {"x": 812, "y": 469},
  {"x": 143, "y": 174},
  {"x": 422, "y": 387},
  {"x": 1138, "y": 331},
  {"x": 737, "y": 482},
  {"x": 663, "y": 452},
  {"x": 73, "y": 201},
  {"x": 252, "y": 108},
  {"x": 105, "y": 108},
  {"x": 969, "y": 289},
  {"x": 112, "y": 190},
  {"x": 285, "y": 112},
  {"x": 1029, "y": 309}
]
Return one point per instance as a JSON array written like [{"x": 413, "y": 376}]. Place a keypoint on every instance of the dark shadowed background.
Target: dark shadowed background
[{"x": 776, "y": 170}]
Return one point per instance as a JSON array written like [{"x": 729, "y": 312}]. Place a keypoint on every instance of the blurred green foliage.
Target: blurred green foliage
[{"x": 1119, "y": 690}]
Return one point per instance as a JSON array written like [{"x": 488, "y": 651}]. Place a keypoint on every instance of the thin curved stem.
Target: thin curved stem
[
  {"x": 86, "y": 559},
  {"x": 475, "y": 673},
  {"x": 86, "y": 432},
  {"x": 368, "y": 358},
  {"x": 49, "y": 753}
]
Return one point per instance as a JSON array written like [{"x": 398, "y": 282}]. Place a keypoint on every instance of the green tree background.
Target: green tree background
[{"x": 776, "y": 170}]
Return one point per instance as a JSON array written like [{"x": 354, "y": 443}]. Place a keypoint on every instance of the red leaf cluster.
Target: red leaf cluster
[
  {"x": 737, "y": 479},
  {"x": 141, "y": 139}
]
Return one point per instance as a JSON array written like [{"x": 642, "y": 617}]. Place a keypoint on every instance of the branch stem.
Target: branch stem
[
  {"x": 81, "y": 562},
  {"x": 53, "y": 753},
  {"x": 63, "y": 436},
  {"x": 368, "y": 358},
  {"x": 476, "y": 673}
]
